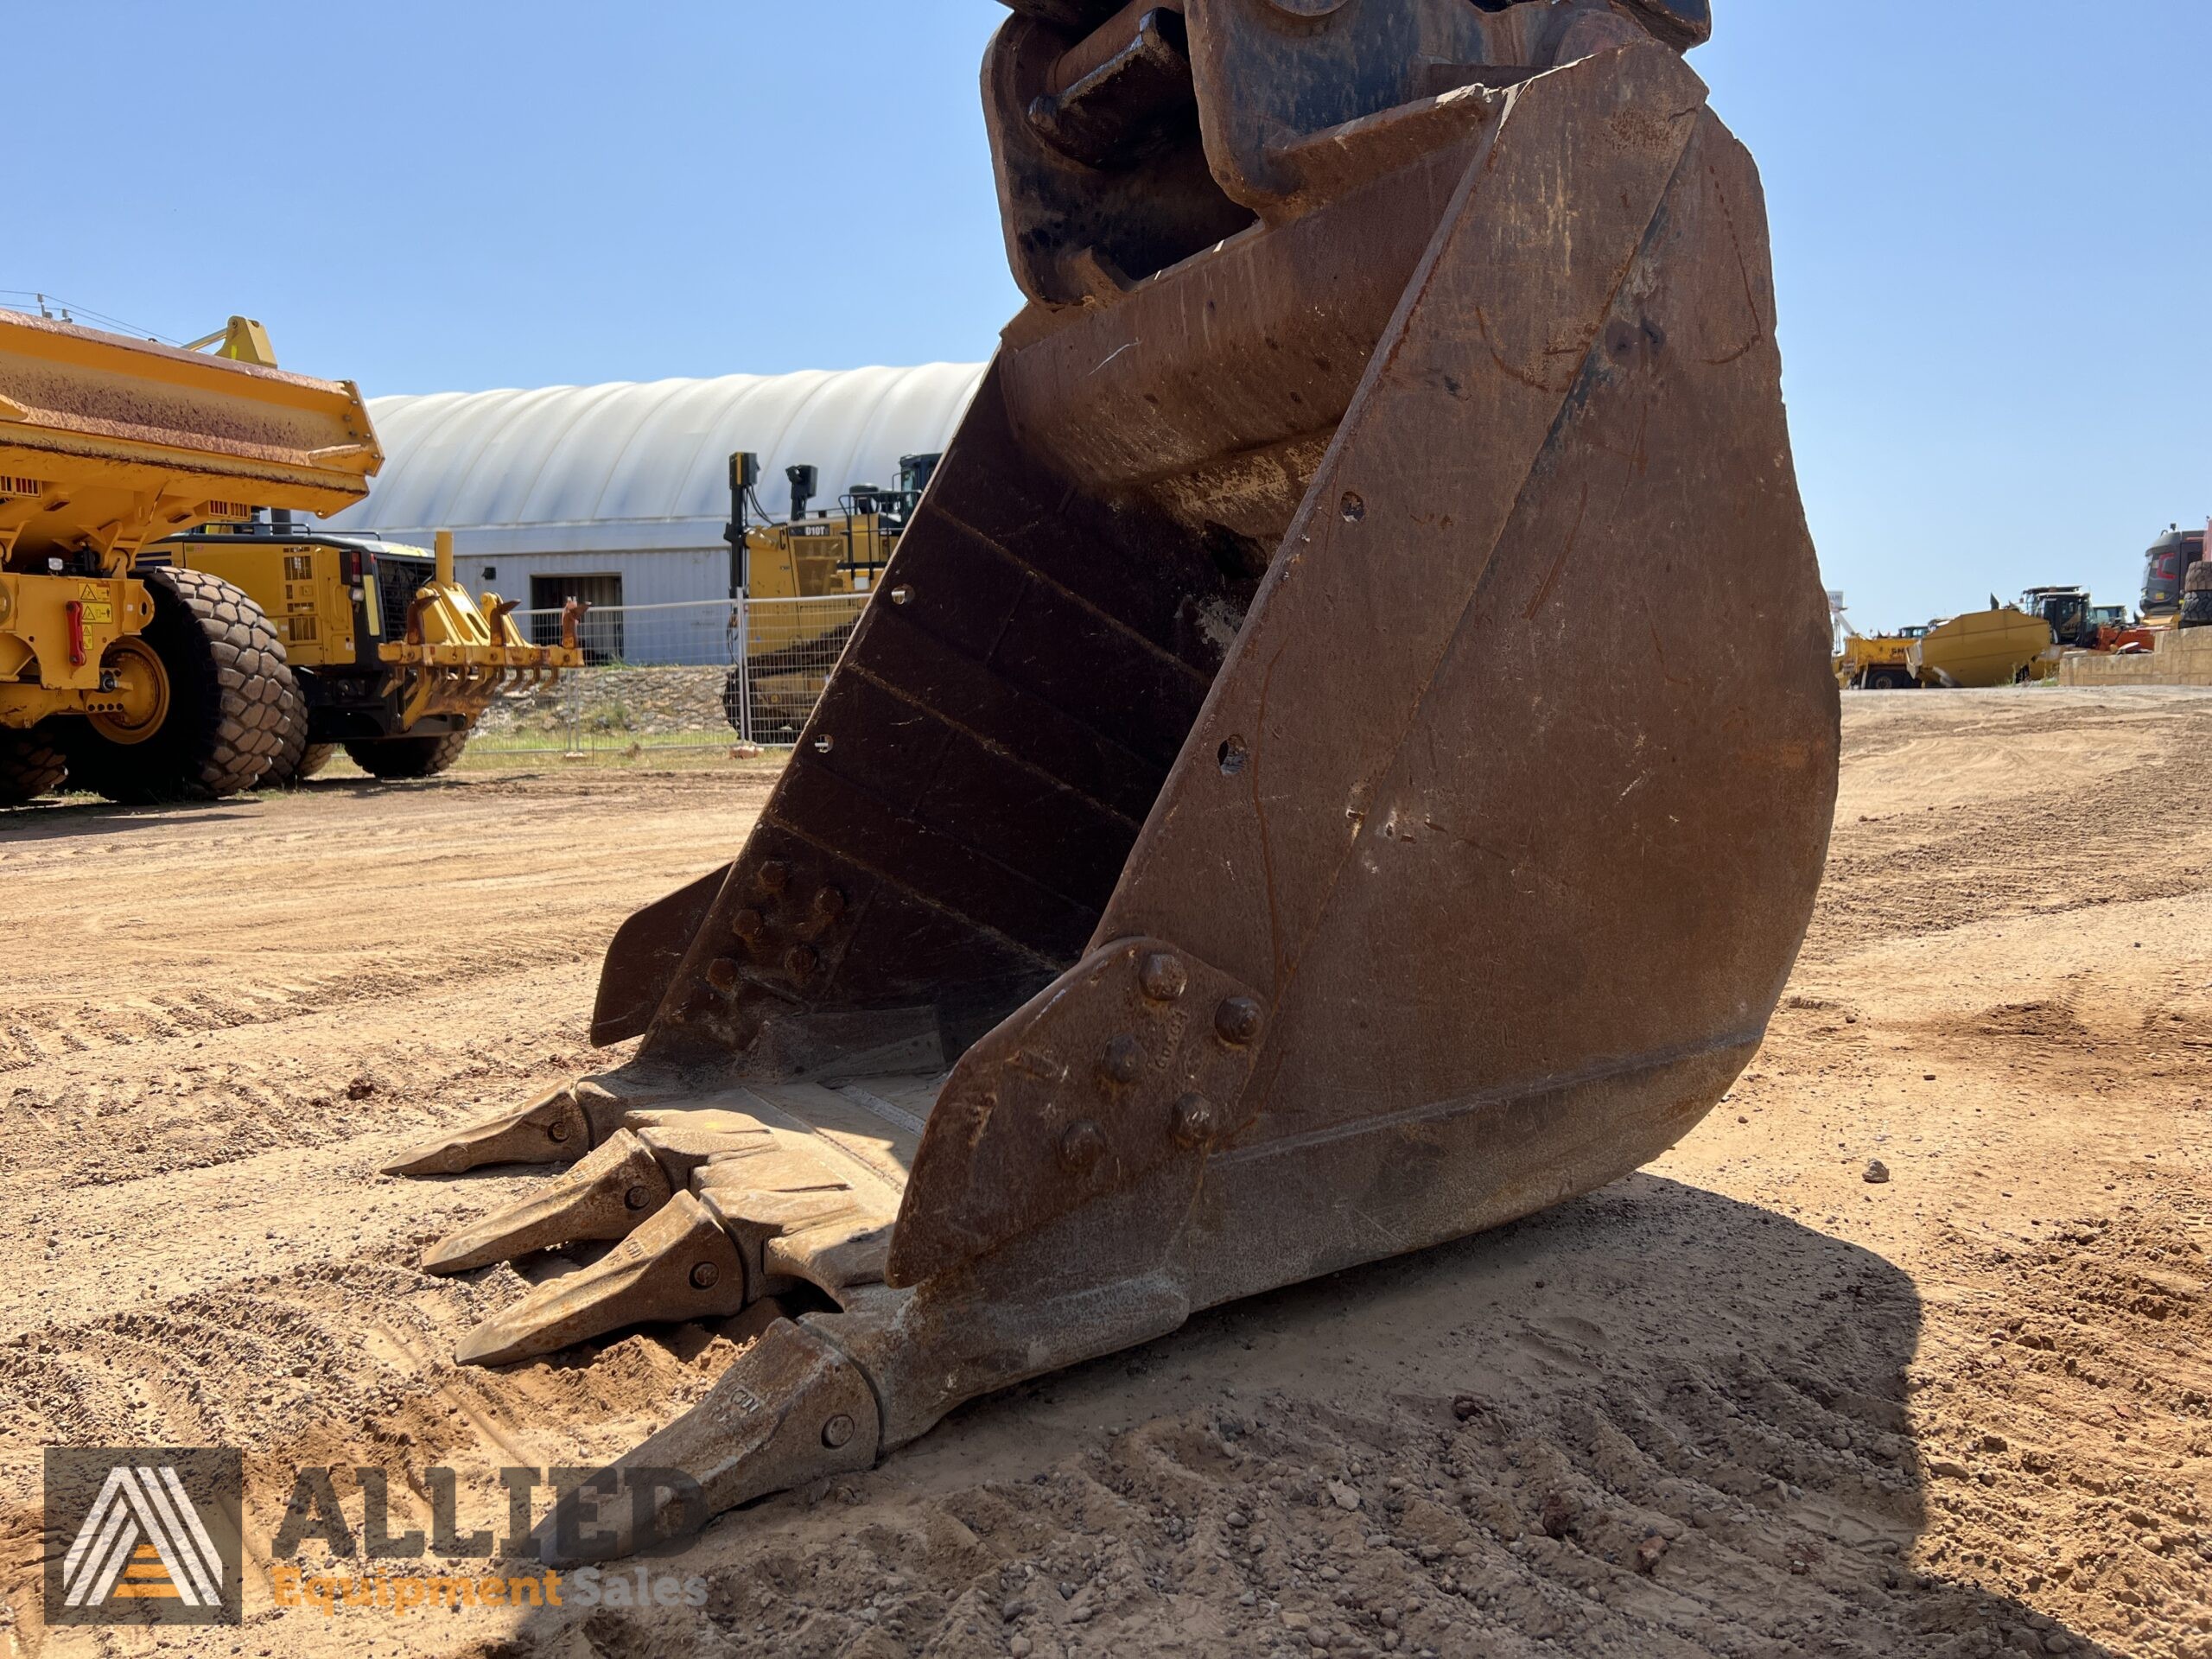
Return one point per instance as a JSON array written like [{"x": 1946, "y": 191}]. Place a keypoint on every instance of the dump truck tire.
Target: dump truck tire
[
  {"x": 314, "y": 758},
  {"x": 227, "y": 685},
  {"x": 31, "y": 765},
  {"x": 286, "y": 769},
  {"x": 1889, "y": 679},
  {"x": 2196, "y": 595},
  {"x": 408, "y": 757}
]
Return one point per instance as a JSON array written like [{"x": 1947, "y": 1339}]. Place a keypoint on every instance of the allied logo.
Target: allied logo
[{"x": 143, "y": 1535}]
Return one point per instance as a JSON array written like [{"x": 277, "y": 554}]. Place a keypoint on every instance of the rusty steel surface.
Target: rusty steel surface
[{"x": 1341, "y": 758}]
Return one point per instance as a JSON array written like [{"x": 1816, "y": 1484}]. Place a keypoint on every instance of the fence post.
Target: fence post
[
  {"x": 572, "y": 709},
  {"x": 743, "y": 632}
]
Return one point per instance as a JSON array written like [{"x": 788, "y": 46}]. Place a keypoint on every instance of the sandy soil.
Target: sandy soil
[{"x": 1745, "y": 1403}]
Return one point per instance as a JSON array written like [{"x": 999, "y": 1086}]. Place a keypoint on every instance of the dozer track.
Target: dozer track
[{"x": 1342, "y": 756}]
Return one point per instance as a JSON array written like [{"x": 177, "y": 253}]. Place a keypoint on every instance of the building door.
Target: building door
[{"x": 601, "y": 633}]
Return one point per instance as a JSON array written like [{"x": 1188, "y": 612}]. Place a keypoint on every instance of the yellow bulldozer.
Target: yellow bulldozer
[
  {"x": 1253, "y": 828},
  {"x": 166, "y": 632},
  {"x": 803, "y": 583}
]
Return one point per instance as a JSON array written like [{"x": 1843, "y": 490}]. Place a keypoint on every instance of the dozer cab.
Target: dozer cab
[
  {"x": 1341, "y": 757},
  {"x": 157, "y": 683},
  {"x": 833, "y": 558}
]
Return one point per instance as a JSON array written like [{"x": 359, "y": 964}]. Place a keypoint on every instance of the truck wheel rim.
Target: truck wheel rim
[{"x": 141, "y": 695}]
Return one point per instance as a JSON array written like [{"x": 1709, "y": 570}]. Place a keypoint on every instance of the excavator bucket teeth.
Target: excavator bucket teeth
[
  {"x": 678, "y": 1265},
  {"x": 551, "y": 1129},
  {"x": 793, "y": 1407},
  {"x": 618, "y": 1186},
  {"x": 1341, "y": 756}
]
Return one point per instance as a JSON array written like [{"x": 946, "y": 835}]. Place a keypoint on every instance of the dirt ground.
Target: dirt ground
[{"x": 1747, "y": 1402}]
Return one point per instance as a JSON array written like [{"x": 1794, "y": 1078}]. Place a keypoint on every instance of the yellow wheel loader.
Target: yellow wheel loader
[
  {"x": 1341, "y": 757},
  {"x": 390, "y": 657},
  {"x": 1880, "y": 662},
  {"x": 159, "y": 684}
]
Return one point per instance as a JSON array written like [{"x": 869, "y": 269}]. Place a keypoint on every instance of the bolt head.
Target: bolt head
[
  {"x": 1122, "y": 1060},
  {"x": 1082, "y": 1146},
  {"x": 721, "y": 973},
  {"x": 1237, "y": 1020},
  {"x": 705, "y": 1276},
  {"x": 775, "y": 875},
  {"x": 837, "y": 1431},
  {"x": 1196, "y": 1120},
  {"x": 800, "y": 962},
  {"x": 748, "y": 924},
  {"x": 634, "y": 1198},
  {"x": 829, "y": 903},
  {"x": 1163, "y": 976},
  {"x": 558, "y": 1131}
]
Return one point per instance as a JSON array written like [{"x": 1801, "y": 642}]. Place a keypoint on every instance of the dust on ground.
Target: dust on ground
[{"x": 1747, "y": 1403}]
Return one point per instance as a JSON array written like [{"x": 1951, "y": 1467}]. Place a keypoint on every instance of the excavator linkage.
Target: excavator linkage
[{"x": 1341, "y": 758}]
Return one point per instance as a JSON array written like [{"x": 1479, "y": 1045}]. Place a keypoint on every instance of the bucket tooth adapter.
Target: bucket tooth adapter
[{"x": 1341, "y": 758}]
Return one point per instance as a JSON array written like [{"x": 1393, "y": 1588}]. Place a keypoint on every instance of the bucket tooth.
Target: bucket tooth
[
  {"x": 552, "y": 1129},
  {"x": 792, "y": 1408},
  {"x": 678, "y": 1265},
  {"x": 559, "y": 1126},
  {"x": 618, "y": 1186}
]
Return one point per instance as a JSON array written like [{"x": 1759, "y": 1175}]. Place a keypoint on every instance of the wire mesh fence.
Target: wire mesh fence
[{"x": 687, "y": 683}]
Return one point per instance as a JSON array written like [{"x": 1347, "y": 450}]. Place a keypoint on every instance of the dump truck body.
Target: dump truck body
[
  {"x": 1985, "y": 648},
  {"x": 1250, "y": 832},
  {"x": 107, "y": 445}
]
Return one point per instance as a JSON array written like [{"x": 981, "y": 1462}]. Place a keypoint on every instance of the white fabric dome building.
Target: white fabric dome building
[{"x": 618, "y": 494}]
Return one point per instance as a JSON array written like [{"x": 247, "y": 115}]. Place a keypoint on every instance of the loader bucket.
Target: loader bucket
[{"x": 1341, "y": 759}]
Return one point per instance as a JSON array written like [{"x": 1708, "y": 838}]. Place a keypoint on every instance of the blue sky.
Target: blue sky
[{"x": 1991, "y": 226}]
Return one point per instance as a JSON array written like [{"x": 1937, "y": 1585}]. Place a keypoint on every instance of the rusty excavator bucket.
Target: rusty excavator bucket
[{"x": 1341, "y": 759}]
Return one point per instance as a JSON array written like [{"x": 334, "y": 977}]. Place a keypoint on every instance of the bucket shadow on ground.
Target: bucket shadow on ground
[{"x": 1650, "y": 1422}]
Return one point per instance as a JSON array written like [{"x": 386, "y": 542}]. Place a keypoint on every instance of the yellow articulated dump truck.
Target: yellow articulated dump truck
[
  {"x": 790, "y": 648},
  {"x": 165, "y": 631},
  {"x": 160, "y": 683}
]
